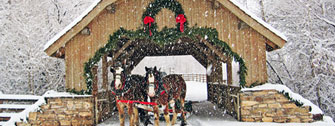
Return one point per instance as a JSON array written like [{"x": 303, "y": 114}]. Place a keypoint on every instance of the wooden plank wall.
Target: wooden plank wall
[{"x": 246, "y": 42}]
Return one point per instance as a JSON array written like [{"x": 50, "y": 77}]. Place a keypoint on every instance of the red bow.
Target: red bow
[
  {"x": 149, "y": 20},
  {"x": 181, "y": 19}
]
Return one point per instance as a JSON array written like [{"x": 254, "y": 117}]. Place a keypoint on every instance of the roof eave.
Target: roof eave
[
  {"x": 63, "y": 39},
  {"x": 275, "y": 42}
]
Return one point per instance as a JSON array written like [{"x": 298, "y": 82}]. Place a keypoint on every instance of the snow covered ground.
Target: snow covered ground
[
  {"x": 207, "y": 114},
  {"x": 196, "y": 91}
]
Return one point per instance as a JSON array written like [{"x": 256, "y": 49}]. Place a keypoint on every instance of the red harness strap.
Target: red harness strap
[
  {"x": 162, "y": 92},
  {"x": 129, "y": 101}
]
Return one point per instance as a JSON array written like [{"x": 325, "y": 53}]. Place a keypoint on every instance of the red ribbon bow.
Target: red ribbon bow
[
  {"x": 149, "y": 20},
  {"x": 181, "y": 19}
]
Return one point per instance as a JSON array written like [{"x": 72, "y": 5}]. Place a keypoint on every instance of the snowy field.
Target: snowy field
[{"x": 207, "y": 114}]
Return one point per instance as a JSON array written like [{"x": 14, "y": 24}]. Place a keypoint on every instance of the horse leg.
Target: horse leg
[
  {"x": 156, "y": 115},
  {"x": 131, "y": 114},
  {"x": 136, "y": 122},
  {"x": 120, "y": 108},
  {"x": 183, "y": 119},
  {"x": 166, "y": 115},
  {"x": 173, "y": 105}
]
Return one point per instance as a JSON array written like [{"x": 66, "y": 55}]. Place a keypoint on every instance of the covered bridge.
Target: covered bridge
[{"x": 212, "y": 31}]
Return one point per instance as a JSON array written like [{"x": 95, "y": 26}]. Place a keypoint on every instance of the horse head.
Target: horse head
[
  {"x": 118, "y": 76},
  {"x": 152, "y": 77}
]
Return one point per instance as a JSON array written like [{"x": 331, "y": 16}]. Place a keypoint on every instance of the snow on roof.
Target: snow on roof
[
  {"x": 294, "y": 96},
  {"x": 96, "y": 2},
  {"x": 252, "y": 15},
  {"x": 71, "y": 25}
]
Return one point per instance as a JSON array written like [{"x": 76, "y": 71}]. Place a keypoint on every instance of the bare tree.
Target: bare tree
[{"x": 27, "y": 26}]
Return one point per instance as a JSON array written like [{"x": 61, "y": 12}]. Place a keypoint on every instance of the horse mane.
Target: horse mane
[{"x": 158, "y": 74}]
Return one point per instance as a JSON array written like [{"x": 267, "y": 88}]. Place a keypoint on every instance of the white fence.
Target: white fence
[{"x": 195, "y": 77}]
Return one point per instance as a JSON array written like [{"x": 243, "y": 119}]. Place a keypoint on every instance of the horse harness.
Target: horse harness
[
  {"x": 160, "y": 88},
  {"x": 123, "y": 90}
]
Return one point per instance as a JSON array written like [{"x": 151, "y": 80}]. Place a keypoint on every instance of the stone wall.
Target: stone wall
[
  {"x": 271, "y": 106},
  {"x": 73, "y": 111}
]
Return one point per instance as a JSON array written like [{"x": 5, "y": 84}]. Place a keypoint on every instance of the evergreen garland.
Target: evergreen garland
[
  {"x": 166, "y": 36},
  {"x": 287, "y": 95},
  {"x": 156, "y": 6}
]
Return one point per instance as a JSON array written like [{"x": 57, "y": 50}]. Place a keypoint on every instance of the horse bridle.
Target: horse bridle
[
  {"x": 121, "y": 91},
  {"x": 157, "y": 88},
  {"x": 118, "y": 76}
]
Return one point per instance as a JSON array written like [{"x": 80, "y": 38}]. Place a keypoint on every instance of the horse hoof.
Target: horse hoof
[
  {"x": 183, "y": 123},
  {"x": 148, "y": 122}
]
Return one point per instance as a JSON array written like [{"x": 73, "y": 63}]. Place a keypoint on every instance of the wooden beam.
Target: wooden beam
[
  {"x": 104, "y": 72},
  {"x": 60, "y": 53},
  {"x": 78, "y": 27},
  {"x": 95, "y": 93},
  {"x": 280, "y": 42},
  {"x": 203, "y": 50},
  {"x": 274, "y": 46},
  {"x": 217, "y": 52},
  {"x": 95, "y": 80},
  {"x": 229, "y": 72},
  {"x": 119, "y": 52}
]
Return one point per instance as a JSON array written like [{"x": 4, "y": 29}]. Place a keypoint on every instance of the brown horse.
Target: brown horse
[
  {"x": 166, "y": 91},
  {"x": 126, "y": 90}
]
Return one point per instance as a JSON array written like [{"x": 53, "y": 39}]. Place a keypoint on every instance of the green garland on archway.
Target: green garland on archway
[{"x": 166, "y": 36}]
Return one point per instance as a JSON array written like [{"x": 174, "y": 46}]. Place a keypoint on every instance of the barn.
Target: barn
[{"x": 219, "y": 34}]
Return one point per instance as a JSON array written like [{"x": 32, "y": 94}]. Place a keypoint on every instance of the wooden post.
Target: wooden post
[
  {"x": 229, "y": 72},
  {"x": 218, "y": 71},
  {"x": 238, "y": 107},
  {"x": 105, "y": 81},
  {"x": 209, "y": 85},
  {"x": 104, "y": 73},
  {"x": 95, "y": 93}
]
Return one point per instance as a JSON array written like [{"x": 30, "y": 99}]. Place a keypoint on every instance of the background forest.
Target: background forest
[{"x": 306, "y": 64}]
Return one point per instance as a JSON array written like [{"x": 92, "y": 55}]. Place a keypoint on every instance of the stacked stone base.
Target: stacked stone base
[
  {"x": 272, "y": 106},
  {"x": 63, "y": 112}
]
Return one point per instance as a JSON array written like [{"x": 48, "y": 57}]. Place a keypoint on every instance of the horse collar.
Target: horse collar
[
  {"x": 160, "y": 88},
  {"x": 120, "y": 92}
]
